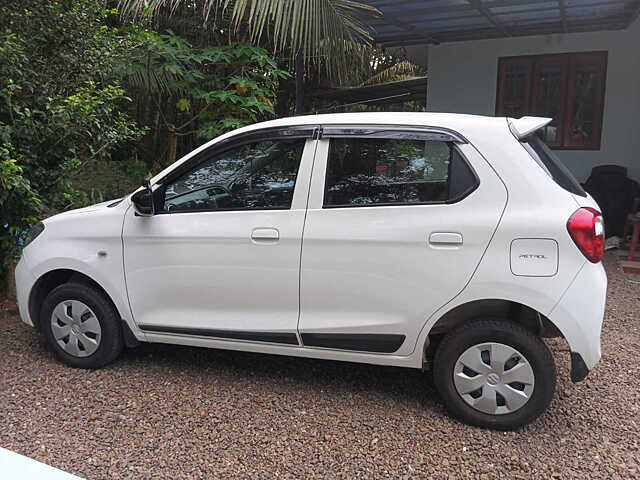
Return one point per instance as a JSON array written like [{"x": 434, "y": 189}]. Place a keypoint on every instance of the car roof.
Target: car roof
[{"x": 431, "y": 119}]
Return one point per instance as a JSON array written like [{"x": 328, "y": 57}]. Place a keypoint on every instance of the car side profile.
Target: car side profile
[{"x": 421, "y": 240}]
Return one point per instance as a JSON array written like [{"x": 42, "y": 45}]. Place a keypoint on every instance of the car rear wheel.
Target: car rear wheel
[
  {"x": 494, "y": 374},
  {"x": 81, "y": 326}
]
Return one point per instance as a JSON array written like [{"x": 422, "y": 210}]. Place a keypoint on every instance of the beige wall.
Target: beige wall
[{"x": 463, "y": 75}]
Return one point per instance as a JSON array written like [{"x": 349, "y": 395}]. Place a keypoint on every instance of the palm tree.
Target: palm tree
[{"x": 322, "y": 32}]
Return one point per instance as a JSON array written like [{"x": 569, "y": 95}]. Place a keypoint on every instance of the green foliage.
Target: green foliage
[
  {"x": 62, "y": 133},
  {"x": 325, "y": 43},
  {"x": 313, "y": 27},
  {"x": 18, "y": 201},
  {"x": 60, "y": 107},
  {"x": 326, "y": 32},
  {"x": 201, "y": 90}
]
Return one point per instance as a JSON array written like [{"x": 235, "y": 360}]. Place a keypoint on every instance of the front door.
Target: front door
[
  {"x": 397, "y": 223},
  {"x": 221, "y": 256}
]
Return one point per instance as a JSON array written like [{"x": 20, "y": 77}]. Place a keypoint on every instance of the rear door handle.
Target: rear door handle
[
  {"x": 265, "y": 235},
  {"x": 445, "y": 239}
]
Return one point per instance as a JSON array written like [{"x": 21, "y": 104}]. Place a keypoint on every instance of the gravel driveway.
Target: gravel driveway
[{"x": 177, "y": 412}]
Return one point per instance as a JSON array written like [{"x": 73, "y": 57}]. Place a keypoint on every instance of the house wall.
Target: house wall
[{"x": 463, "y": 78}]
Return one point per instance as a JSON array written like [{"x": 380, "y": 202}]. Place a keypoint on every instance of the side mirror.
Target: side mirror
[{"x": 143, "y": 200}]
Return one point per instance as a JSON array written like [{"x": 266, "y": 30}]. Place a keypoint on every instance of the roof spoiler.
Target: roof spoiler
[{"x": 523, "y": 127}]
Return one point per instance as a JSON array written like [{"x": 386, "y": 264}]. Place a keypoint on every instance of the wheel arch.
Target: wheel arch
[
  {"x": 54, "y": 278},
  {"x": 496, "y": 308}
]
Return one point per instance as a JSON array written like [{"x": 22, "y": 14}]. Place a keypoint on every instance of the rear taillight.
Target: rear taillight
[{"x": 586, "y": 228}]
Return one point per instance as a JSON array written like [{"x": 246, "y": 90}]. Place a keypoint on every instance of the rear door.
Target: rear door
[{"x": 398, "y": 220}]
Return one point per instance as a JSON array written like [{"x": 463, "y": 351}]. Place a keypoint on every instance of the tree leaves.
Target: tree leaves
[
  {"x": 199, "y": 88},
  {"x": 60, "y": 106},
  {"x": 184, "y": 105},
  {"x": 325, "y": 31}
]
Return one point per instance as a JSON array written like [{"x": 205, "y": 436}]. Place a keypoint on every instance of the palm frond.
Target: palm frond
[
  {"x": 325, "y": 31},
  {"x": 402, "y": 70},
  {"x": 146, "y": 79},
  {"x": 303, "y": 25}
]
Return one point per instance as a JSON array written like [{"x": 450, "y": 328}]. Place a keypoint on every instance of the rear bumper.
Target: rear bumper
[
  {"x": 579, "y": 315},
  {"x": 579, "y": 370}
]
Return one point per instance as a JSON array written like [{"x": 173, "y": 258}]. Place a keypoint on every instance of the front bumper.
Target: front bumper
[{"x": 24, "y": 284}]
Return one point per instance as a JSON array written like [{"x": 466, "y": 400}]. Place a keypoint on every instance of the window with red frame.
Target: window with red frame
[{"x": 567, "y": 87}]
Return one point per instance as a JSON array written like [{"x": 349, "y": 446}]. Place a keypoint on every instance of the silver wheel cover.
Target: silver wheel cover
[
  {"x": 494, "y": 378},
  {"x": 75, "y": 328}
]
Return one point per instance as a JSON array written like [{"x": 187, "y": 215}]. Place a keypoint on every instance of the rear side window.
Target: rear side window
[
  {"x": 551, "y": 164},
  {"x": 378, "y": 172}
]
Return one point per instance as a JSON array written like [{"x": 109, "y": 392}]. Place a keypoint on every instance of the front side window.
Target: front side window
[
  {"x": 253, "y": 176},
  {"x": 375, "y": 171}
]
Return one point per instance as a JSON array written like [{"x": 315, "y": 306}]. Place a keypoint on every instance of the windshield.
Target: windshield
[{"x": 551, "y": 164}]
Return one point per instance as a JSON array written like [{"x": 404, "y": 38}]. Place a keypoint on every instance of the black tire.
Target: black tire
[
  {"x": 508, "y": 333},
  {"x": 111, "y": 340}
]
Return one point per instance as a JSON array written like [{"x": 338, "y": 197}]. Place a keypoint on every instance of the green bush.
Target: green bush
[
  {"x": 60, "y": 108},
  {"x": 196, "y": 91}
]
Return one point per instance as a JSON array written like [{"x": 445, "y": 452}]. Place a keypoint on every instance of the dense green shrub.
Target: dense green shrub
[
  {"x": 196, "y": 91},
  {"x": 60, "y": 108}
]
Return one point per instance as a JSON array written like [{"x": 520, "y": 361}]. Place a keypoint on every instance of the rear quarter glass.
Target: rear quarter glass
[{"x": 550, "y": 163}]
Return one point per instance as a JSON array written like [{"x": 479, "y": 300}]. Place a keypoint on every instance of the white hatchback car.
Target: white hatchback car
[{"x": 406, "y": 239}]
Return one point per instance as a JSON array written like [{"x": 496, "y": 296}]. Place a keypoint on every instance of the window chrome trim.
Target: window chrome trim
[{"x": 392, "y": 132}]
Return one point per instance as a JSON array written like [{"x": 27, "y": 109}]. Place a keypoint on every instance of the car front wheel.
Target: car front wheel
[
  {"x": 494, "y": 374},
  {"x": 81, "y": 326}
]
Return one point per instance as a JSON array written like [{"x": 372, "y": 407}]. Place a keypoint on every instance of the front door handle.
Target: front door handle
[
  {"x": 445, "y": 239},
  {"x": 265, "y": 235}
]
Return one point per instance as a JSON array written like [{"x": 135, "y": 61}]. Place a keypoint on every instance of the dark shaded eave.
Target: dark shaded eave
[
  {"x": 413, "y": 89},
  {"x": 413, "y": 22}
]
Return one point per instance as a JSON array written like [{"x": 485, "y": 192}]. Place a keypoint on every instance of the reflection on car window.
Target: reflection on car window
[
  {"x": 258, "y": 175},
  {"x": 374, "y": 171},
  {"x": 550, "y": 163}
]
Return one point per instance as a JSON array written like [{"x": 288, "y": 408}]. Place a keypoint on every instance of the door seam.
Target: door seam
[
  {"x": 304, "y": 224},
  {"x": 124, "y": 272}
]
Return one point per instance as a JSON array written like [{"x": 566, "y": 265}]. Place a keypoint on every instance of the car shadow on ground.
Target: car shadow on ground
[
  {"x": 403, "y": 384},
  {"x": 159, "y": 363}
]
